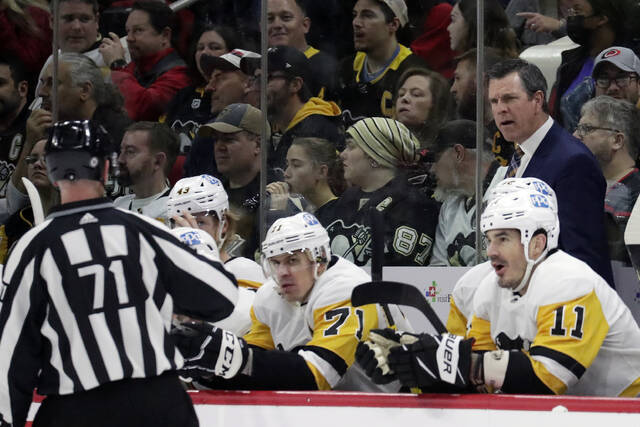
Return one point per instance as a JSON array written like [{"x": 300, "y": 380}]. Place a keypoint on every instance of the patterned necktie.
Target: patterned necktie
[{"x": 514, "y": 164}]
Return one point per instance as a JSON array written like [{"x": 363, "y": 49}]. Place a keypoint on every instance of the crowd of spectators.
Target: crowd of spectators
[{"x": 370, "y": 106}]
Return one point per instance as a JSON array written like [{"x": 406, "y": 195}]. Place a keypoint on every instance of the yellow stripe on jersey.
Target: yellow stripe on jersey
[
  {"x": 480, "y": 331},
  {"x": 245, "y": 283},
  {"x": 358, "y": 63},
  {"x": 259, "y": 334},
  {"x": 456, "y": 322},
  {"x": 320, "y": 379},
  {"x": 574, "y": 328},
  {"x": 554, "y": 384},
  {"x": 633, "y": 390}
]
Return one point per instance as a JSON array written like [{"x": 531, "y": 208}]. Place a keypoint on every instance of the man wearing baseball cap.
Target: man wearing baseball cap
[
  {"x": 615, "y": 73},
  {"x": 368, "y": 78}
]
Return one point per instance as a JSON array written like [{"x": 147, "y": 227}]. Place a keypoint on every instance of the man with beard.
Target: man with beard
[
  {"x": 147, "y": 153},
  {"x": 13, "y": 117},
  {"x": 455, "y": 153}
]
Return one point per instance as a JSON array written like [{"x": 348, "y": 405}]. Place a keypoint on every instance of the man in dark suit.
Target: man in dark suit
[{"x": 544, "y": 150}]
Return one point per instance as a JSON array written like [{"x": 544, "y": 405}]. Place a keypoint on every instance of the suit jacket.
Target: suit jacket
[{"x": 569, "y": 167}]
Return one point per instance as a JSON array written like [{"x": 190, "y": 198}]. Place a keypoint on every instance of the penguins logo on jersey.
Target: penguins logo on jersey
[{"x": 352, "y": 242}]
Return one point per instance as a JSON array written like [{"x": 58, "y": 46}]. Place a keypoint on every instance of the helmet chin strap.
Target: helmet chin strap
[{"x": 527, "y": 273}]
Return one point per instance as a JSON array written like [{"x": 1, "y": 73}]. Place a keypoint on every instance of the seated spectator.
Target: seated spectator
[
  {"x": 379, "y": 151},
  {"x": 432, "y": 44},
  {"x": 609, "y": 127},
  {"x": 14, "y": 89},
  {"x": 616, "y": 72},
  {"x": 368, "y": 78},
  {"x": 594, "y": 25},
  {"x": 147, "y": 153},
  {"x": 423, "y": 103},
  {"x": 191, "y": 106},
  {"x": 538, "y": 22},
  {"x": 156, "y": 72},
  {"x": 236, "y": 132},
  {"x": 314, "y": 171},
  {"x": 455, "y": 172},
  {"x": 498, "y": 33},
  {"x": 22, "y": 220},
  {"x": 291, "y": 109},
  {"x": 228, "y": 84},
  {"x": 288, "y": 25},
  {"x": 25, "y": 32}
]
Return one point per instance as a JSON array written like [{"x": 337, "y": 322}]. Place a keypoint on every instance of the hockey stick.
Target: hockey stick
[
  {"x": 34, "y": 198},
  {"x": 396, "y": 293}
]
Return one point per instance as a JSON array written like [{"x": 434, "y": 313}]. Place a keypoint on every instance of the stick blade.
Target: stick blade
[{"x": 34, "y": 198}]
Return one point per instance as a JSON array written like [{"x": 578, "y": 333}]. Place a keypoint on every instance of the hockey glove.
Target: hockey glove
[
  {"x": 433, "y": 358},
  {"x": 372, "y": 354},
  {"x": 208, "y": 350}
]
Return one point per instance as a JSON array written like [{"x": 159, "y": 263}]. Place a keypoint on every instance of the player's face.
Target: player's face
[
  {"x": 357, "y": 165},
  {"x": 10, "y": 98},
  {"x": 226, "y": 87},
  {"x": 208, "y": 223},
  {"x": 627, "y": 91},
  {"x": 513, "y": 110},
  {"x": 142, "y": 39},
  {"x": 235, "y": 152},
  {"x": 294, "y": 274},
  {"x": 370, "y": 30},
  {"x": 458, "y": 30},
  {"x": 599, "y": 141},
  {"x": 286, "y": 24},
  {"x": 69, "y": 96},
  {"x": 212, "y": 44},
  {"x": 414, "y": 101},
  {"x": 301, "y": 173},
  {"x": 506, "y": 253},
  {"x": 36, "y": 166},
  {"x": 446, "y": 173},
  {"x": 78, "y": 26},
  {"x": 136, "y": 161},
  {"x": 463, "y": 89}
]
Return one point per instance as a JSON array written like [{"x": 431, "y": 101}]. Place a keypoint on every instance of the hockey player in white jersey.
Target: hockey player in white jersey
[
  {"x": 544, "y": 322},
  {"x": 202, "y": 202},
  {"x": 304, "y": 329}
]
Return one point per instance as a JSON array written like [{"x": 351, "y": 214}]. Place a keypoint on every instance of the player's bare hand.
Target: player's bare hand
[
  {"x": 186, "y": 220},
  {"x": 279, "y": 195},
  {"x": 111, "y": 49},
  {"x": 540, "y": 23}
]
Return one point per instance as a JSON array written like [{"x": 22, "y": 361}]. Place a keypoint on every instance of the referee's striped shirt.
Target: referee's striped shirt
[{"x": 87, "y": 298}]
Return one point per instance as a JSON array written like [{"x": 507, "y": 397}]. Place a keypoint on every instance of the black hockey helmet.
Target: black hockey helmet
[{"x": 78, "y": 150}]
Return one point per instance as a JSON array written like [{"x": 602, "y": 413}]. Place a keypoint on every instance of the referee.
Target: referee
[{"x": 86, "y": 303}]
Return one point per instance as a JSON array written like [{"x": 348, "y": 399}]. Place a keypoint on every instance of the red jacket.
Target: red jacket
[
  {"x": 433, "y": 45},
  {"x": 148, "y": 103},
  {"x": 31, "y": 48}
]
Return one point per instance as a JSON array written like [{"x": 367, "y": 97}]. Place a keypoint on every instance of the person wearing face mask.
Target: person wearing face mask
[{"x": 594, "y": 25}]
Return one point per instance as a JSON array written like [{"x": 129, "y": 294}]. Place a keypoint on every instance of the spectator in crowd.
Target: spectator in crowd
[
  {"x": 288, "y": 25},
  {"x": 147, "y": 153},
  {"x": 156, "y": 72},
  {"x": 228, "y": 84},
  {"x": 25, "y": 32},
  {"x": 14, "y": 89},
  {"x": 455, "y": 166},
  {"x": 616, "y": 72},
  {"x": 236, "y": 131},
  {"x": 22, "y": 220},
  {"x": 291, "y": 109},
  {"x": 191, "y": 107},
  {"x": 545, "y": 150},
  {"x": 594, "y": 25},
  {"x": 432, "y": 44},
  {"x": 609, "y": 127},
  {"x": 379, "y": 152},
  {"x": 498, "y": 33},
  {"x": 464, "y": 93},
  {"x": 314, "y": 171},
  {"x": 538, "y": 22},
  {"x": 368, "y": 78},
  {"x": 423, "y": 103}
]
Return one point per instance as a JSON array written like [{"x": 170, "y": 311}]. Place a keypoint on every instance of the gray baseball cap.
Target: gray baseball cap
[
  {"x": 621, "y": 57},
  {"x": 235, "y": 118}
]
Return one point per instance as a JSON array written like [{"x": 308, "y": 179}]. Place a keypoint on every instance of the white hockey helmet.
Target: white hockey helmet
[
  {"x": 300, "y": 232},
  {"x": 526, "y": 210},
  {"x": 199, "y": 240},
  {"x": 511, "y": 185}
]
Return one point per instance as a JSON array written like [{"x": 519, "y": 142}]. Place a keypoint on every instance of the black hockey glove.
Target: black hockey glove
[
  {"x": 208, "y": 350},
  {"x": 431, "y": 359},
  {"x": 372, "y": 354}
]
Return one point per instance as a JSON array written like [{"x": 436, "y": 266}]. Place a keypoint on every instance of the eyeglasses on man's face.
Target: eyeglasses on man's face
[
  {"x": 584, "y": 129},
  {"x": 621, "y": 81},
  {"x": 32, "y": 159}
]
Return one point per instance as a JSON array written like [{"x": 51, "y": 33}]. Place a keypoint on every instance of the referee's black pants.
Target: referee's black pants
[{"x": 155, "y": 402}]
